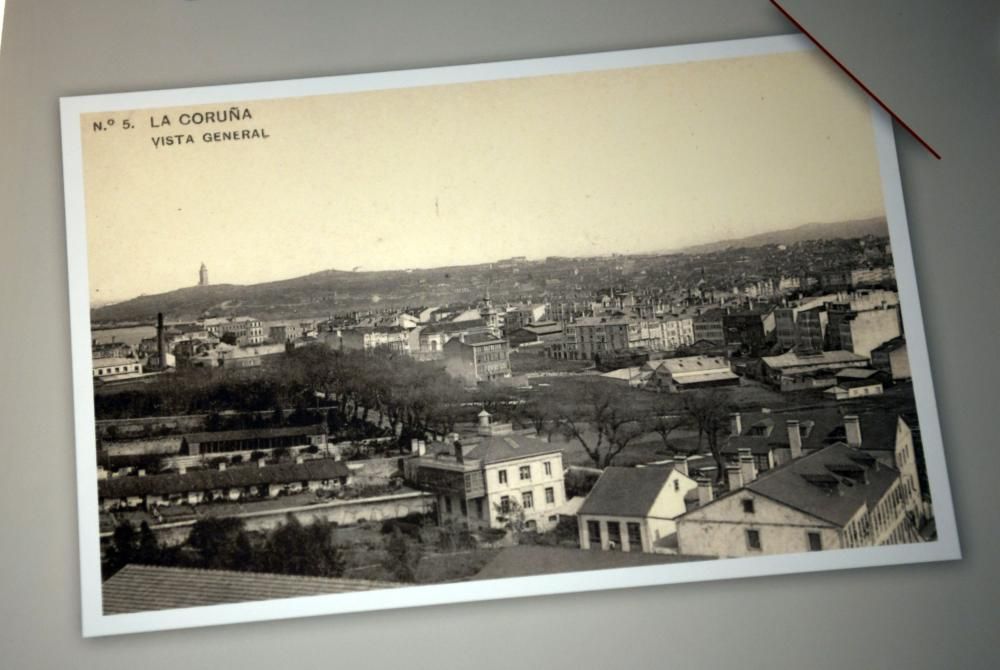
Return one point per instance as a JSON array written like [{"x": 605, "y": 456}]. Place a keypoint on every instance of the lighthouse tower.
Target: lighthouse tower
[{"x": 203, "y": 276}]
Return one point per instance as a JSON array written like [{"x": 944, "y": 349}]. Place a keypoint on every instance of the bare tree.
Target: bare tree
[
  {"x": 709, "y": 413},
  {"x": 603, "y": 422}
]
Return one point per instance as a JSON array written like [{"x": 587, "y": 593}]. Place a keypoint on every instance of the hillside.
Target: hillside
[
  {"x": 324, "y": 293},
  {"x": 808, "y": 231}
]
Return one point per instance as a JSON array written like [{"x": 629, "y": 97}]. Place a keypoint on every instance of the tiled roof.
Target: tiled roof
[
  {"x": 142, "y": 588},
  {"x": 793, "y": 359},
  {"x": 234, "y": 477},
  {"x": 891, "y": 345},
  {"x": 526, "y": 560},
  {"x": 626, "y": 491},
  {"x": 814, "y": 484},
  {"x": 762, "y": 432},
  {"x": 543, "y": 328},
  {"x": 453, "y": 326},
  {"x": 251, "y": 433},
  {"x": 509, "y": 447}
]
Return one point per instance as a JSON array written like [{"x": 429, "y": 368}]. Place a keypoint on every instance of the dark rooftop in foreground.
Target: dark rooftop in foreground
[
  {"x": 141, "y": 588},
  {"x": 527, "y": 560}
]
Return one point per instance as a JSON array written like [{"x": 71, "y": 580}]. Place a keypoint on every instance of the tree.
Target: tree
[
  {"x": 402, "y": 556},
  {"x": 221, "y": 543},
  {"x": 664, "y": 424},
  {"x": 148, "y": 549},
  {"x": 123, "y": 549},
  {"x": 297, "y": 549},
  {"x": 709, "y": 413},
  {"x": 602, "y": 421},
  {"x": 228, "y": 338},
  {"x": 513, "y": 519}
]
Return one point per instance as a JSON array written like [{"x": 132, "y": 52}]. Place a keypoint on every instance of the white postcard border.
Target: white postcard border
[{"x": 95, "y": 623}]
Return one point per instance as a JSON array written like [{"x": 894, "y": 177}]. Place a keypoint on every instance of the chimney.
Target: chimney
[
  {"x": 735, "y": 424},
  {"x": 182, "y": 469},
  {"x": 705, "y": 492},
  {"x": 421, "y": 448},
  {"x": 161, "y": 342},
  {"x": 748, "y": 470},
  {"x": 222, "y": 466},
  {"x": 681, "y": 465},
  {"x": 734, "y": 477},
  {"x": 484, "y": 423},
  {"x": 142, "y": 472},
  {"x": 299, "y": 460},
  {"x": 852, "y": 428},
  {"x": 414, "y": 445},
  {"x": 459, "y": 456},
  {"x": 794, "y": 438},
  {"x": 261, "y": 462}
]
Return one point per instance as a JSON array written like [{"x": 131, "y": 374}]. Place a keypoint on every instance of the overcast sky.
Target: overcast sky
[{"x": 635, "y": 160}]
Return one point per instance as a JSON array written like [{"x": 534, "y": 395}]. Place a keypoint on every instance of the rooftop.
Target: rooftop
[
  {"x": 141, "y": 588},
  {"x": 232, "y": 477},
  {"x": 527, "y": 560},
  {"x": 793, "y": 359},
  {"x": 625, "y": 491},
  {"x": 831, "y": 484},
  {"x": 251, "y": 433}
]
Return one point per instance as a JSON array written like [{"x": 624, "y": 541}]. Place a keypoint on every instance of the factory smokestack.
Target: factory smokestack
[{"x": 161, "y": 343}]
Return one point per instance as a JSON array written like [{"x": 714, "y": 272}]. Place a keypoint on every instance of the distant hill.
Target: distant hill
[
  {"x": 331, "y": 291},
  {"x": 809, "y": 231}
]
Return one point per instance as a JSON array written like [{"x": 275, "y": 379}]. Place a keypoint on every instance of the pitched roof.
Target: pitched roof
[
  {"x": 453, "y": 326},
  {"x": 793, "y": 359},
  {"x": 141, "y": 588},
  {"x": 831, "y": 484},
  {"x": 626, "y": 491},
  {"x": 819, "y": 428},
  {"x": 690, "y": 364},
  {"x": 499, "y": 448},
  {"x": 208, "y": 480},
  {"x": 251, "y": 433},
  {"x": 543, "y": 328},
  {"x": 525, "y": 560},
  {"x": 891, "y": 345}
]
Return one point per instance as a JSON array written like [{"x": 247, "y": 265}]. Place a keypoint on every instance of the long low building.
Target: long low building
[
  {"x": 782, "y": 370},
  {"x": 198, "y": 486},
  {"x": 690, "y": 372},
  {"x": 253, "y": 439}
]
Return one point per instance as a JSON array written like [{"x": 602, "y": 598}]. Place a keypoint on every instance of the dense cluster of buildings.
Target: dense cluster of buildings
[{"x": 786, "y": 481}]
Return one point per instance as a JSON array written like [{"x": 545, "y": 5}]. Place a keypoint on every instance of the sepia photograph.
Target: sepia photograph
[{"x": 434, "y": 336}]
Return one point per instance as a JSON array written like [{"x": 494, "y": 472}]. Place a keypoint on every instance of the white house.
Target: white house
[{"x": 632, "y": 508}]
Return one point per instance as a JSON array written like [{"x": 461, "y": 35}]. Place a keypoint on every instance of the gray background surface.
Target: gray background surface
[{"x": 935, "y": 63}]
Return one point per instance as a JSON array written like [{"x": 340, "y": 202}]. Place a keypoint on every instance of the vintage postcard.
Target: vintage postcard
[{"x": 522, "y": 328}]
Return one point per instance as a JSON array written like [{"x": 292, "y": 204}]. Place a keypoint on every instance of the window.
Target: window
[
  {"x": 634, "y": 537},
  {"x": 614, "y": 535},
  {"x": 479, "y": 507},
  {"x": 502, "y": 474},
  {"x": 447, "y": 504},
  {"x": 464, "y": 507},
  {"x": 748, "y": 506},
  {"x": 504, "y": 504},
  {"x": 550, "y": 496},
  {"x": 527, "y": 500},
  {"x": 594, "y": 534},
  {"x": 548, "y": 468},
  {"x": 525, "y": 472},
  {"x": 815, "y": 541},
  {"x": 753, "y": 540}
]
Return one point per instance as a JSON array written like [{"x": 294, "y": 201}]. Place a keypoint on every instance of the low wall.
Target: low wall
[
  {"x": 373, "y": 471},
  {"x": 341, "y": 512}
]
